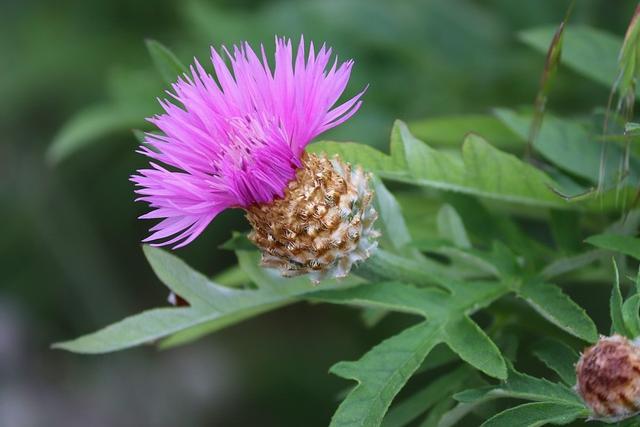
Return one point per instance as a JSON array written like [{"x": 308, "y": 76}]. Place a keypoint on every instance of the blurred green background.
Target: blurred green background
[{"x": 70, "y": 254}]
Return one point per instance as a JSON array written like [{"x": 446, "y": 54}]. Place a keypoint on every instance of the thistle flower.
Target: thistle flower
[
  {"x": 237, "y": 141},
  {"x": 608, "y": 378}
]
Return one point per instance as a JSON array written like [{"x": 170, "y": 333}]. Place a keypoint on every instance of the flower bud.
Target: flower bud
[
  {"x": 608, "y": 378},
  {"x": 322, "y": 225}
]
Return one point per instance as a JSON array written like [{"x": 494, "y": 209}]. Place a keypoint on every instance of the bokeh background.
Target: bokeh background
[{"x": 70, "y": 257}]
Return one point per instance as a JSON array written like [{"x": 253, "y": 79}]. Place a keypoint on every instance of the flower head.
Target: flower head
[
  {"x": 608, "y": 378},
  {"x": 236, "y": 140}
]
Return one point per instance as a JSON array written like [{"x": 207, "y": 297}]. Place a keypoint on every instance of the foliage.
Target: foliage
[{"x": 476, "y": 281}]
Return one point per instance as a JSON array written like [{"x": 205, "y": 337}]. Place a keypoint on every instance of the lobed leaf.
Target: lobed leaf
[
  {"x": 212, "y": 306},
  {"x": 381, "y": 373},
  {"x": 482, "y": 170},
  {"x": 451, "y": 130}
]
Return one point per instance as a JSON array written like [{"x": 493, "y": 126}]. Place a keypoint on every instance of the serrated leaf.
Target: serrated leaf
[
  {"x": 373, "y": 160},
  {"x": 451, "y": 130},
  {"x": 142, "y": 328},
  {"x": 473, "y": 346},
  {"x": 569, "y": 145},
  {"x": 422, "y": 400},
  {"x": 482, "y": 170},
  {"x": 536, "y": 414},
  {"x": 615, "y": 307},
  {"x": 165, "y": 61},
  {"x": 89, "y": 125},
  {"x": 212, "y": 306},
  {"x": 399, "y": 357},
  {"x": 521, "y": 386},
  {"x": 555, "y": 306},
  {"x": 615, "y": 242},
  {"x": 450, "y": 227},
  {"x": 589, "y": 51},
  {"x": 381, "y": 373},
  {"x": 558, "y": 357}
]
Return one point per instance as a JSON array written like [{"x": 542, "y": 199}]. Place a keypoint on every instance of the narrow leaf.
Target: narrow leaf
[
  {"x": 421, "y": 401},
  {"x": 559, "y": 309},
  {"x": 451, "y": 130},
  {"x": 166, "y": 62},
  {"x": 631, "y": 315},
  {"x": 473, "y": 346},
  {"x": 615, "y": 307},
  {"x": 451, "y": 228},
  {"x": 589, "y": 51},
  {"x": 558, "y": 357},
  {"x": 88, "y": 126},
  {"x": 536, "y": 414},
  {"x": 614, "y": 242}
]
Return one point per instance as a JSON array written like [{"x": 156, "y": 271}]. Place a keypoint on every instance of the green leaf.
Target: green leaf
[
  {"x": 569, "y": 145},
  {"x": 521, "y": 386},
  {"x": 381, "y": 373},
  {"x": 383, "y": 165},
  {"x": 435, "y": 415},
  {"x": 142, "y": 328},
  {"x": 536, "y": 414},
  {"x": 565, "y": 227},
  {"x": 558, "y": 357},
  {"x": 451, "y": 130},
  {"x": 615, "y": 307},
  {"x": 568, "y": 264},
  {"x": 589, "y": 51},
  {"x": 239, "y": 242},
  {"x": 395, "y": 234},
  {"x": 386, "y": 266},
  {"x": 422, "y": 400},
  {"x": 451, "y": 228},
  {"x": 624, "y": 244},
  {"x": 481, "y": 171},
  {"x": 89, "y": 126},
  {"x": 165, "y": 61},
  {"x": 212, "y": 306},
  {"x": 473, "y": 346},
  {"x": 384, "y": 369},
  {"x": 631, "y": 315},
  {"x": 559, "y": 309}
]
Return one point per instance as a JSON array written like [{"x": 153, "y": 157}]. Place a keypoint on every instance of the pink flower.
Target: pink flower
[{"x": 237, "y": 140}]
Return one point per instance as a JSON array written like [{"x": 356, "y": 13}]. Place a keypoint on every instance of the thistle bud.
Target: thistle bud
[
  {"x": 608, "y": 378},
  {"x": 322, "y": 225}
]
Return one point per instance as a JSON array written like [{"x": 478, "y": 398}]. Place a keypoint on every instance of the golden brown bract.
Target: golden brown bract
[
  {"x": 608, "y": 378},
  {"x": 322, "y": 225}
]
